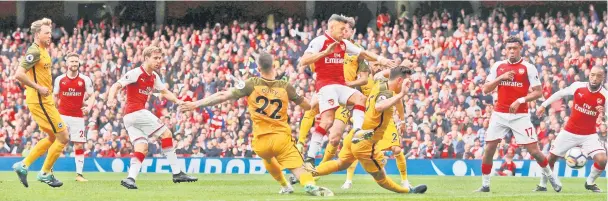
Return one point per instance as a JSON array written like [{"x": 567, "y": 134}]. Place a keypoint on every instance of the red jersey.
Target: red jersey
[
  {"x": 139, "y": 85},
  {"x": 526, "y": 77},
  {"x": 70, "y": 93},
  {"x": 330, "y": 69},
  {"x": 584, "y": 114}
]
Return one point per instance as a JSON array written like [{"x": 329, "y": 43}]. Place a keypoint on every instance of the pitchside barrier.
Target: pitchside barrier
[{"x": 437, "y": 167}]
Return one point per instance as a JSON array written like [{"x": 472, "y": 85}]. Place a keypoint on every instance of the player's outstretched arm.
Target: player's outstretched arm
[
  {"x": 217, "y": 98},
  {"x": 170, "y": 96},
  {"x": 370, "y": 56},
  {"x": 568, "y": 91},
  {"x": 212, "y": 100}
]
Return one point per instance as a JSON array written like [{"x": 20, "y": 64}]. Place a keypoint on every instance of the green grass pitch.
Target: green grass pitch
[{"x": 106, "y": 186}]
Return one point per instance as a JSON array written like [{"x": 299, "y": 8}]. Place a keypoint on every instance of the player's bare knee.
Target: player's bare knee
[
  {"x": 334, "y": 140},
  {"x": 62, "y": 137},
  {"x": 167, "y": 134},
  {"x": 326, "y": 123},
  {"x": 78, "y": 145},
  {"x": 396, "y": 150},
  {"x": 600, "y": 159}
]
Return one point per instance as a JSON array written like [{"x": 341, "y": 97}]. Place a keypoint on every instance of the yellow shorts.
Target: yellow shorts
[
  {"x": 369, "y": 155},
  {"x": 279, "y": 146},
  {"x": 391, "y": 137},
  {"x": 47, "y": 117},
  {"x": 342, "y": 114}
]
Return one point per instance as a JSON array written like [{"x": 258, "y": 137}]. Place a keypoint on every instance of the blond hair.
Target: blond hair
[
  {"x": 151, "y": 49},
  {"x": 71, "y": 54},
  {"x": 37, "y": 25}
]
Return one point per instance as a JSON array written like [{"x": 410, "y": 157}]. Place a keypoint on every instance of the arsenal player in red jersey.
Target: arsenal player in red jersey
[
  {"x": 513, "y": 78},
  {"x": 589, "y": 104},
  {"x": 141, "y": 123},
  {"x": 326, "y": 52},
  {"x": 70, "y": 89}
]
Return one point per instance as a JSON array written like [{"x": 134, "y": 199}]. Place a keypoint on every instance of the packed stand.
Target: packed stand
[{"x": 447, "y": 114}]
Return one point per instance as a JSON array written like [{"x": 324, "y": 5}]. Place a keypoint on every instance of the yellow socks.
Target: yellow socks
[
  {"x": 306, "y": 124},
  {"x": 306, "y": 178},
  {"x": 401, "y": 165},
  {"x": 54, "y": 153},
  {"x": 328, "y": 167},
  {"x": 350, "y": 172},
  {"x": 275, "y": 171},
  {"x": 330, "y": 152},
  {"x": 40, "y": 148},
  {"x": 390, "y": 185}
]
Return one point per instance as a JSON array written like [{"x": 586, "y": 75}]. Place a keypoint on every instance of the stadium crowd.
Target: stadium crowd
[{"x": 447, "y": 114}]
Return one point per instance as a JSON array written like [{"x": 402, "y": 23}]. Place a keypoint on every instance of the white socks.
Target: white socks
[
  {"x": 595, "y": 173},
  {"x": 79, "y": 160},
  {"x": 315, "y": 144},
  {"x": 485, "y": 180},
  {"x": 172, "y": 157}
]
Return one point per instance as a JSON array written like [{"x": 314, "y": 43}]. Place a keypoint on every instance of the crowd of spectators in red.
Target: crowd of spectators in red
[{"x": 447, "y": 114}]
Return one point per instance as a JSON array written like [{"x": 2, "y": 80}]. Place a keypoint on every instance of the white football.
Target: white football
[{"x": 575, "y": 158}]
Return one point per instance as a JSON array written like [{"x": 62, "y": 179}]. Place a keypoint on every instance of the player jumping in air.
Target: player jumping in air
[
  {"x": 141, "y": 123},
  {"x": 513, "y": 78},
  {"x": 268, "y": 104},
  {"x": 70, "y": 89},
  {"x": 327, "y": 53},
  {"x": 35, "y": 74},
  {"x": 589, "y": 103},
  {"x": 364, "y": 146},
  {"x": 356, "y": 73}
]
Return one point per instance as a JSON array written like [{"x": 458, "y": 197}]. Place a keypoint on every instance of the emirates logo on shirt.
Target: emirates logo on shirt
[
  {"x": 146, "y": 91},
  {"x": 511, "y": 84}
]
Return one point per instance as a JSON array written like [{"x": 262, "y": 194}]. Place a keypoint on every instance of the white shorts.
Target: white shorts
[
  {"x": 519, "y": 124},
  {"x": 591, "y": 144},
  {"x": 75, "y": 128},
  {"x": 142, "y": 124},
  {"x": 333, "y": 95}
]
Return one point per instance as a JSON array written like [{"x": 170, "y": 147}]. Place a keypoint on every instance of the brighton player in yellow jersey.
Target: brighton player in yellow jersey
[
  {"x": 268, "y": 104},
  {"x": 378, "y": 115},
  {"x": 35, "y": 74},
  {"x": 391, "y": 140},
  {"x": 356, "y": 73}
]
